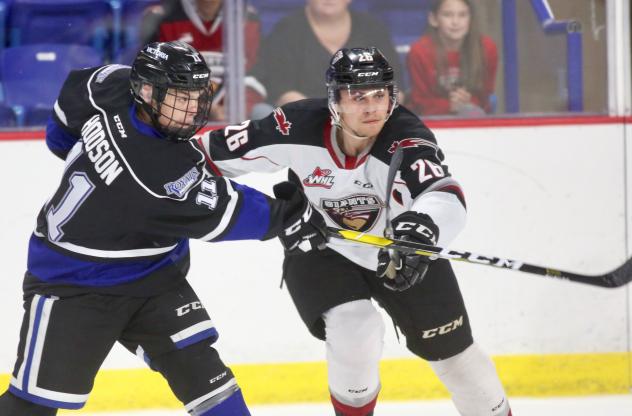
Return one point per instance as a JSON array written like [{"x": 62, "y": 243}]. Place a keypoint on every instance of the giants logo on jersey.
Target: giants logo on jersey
[
  {"x": 416, "y": 142},
  {"x": 283, "y": 125},
  {"x": 356, "y": 212},
  {"x": 320, "y": 178}
]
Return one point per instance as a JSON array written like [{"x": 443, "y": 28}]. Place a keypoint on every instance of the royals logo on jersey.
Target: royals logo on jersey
[
  {"x": 283, "y": 126},
  {"x": 356, "y": 212},
  {"x": 181, "y": 186},
  {"x": 410, "y": 143},
  {"x": 321, "y": 178}
]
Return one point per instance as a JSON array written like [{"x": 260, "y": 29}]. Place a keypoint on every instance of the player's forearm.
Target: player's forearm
[
  {"x": 447, "y": 212},
  {"x": 278, "y": 208},
  {"x": 260, "y": 217},
  {"x": 236, "y": 159}
]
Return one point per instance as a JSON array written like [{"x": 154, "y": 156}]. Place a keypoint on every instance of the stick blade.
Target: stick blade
[{"x": 621, "y": 276}]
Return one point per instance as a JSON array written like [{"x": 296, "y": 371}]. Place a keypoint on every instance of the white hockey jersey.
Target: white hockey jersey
[{"x": 348, "y": 191}]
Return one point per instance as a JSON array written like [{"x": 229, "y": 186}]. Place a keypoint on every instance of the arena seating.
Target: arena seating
[
  {"x": 83, "y": 22},
  {"x": 33, "y": 74}
]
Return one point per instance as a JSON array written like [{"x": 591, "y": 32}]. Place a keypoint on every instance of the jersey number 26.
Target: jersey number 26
[{"x": 236, "y": 135}]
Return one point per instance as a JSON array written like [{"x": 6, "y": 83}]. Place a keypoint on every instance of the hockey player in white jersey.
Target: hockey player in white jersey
[{"x": 339, "y": 149}]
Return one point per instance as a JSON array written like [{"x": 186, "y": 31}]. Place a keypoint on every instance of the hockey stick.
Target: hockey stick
[
  {"x": 393, "y": 167},
  {"x": 616, "y": 278}
]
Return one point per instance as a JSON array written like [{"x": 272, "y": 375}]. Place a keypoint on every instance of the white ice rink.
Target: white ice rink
[{"x": 572, "y": 406}]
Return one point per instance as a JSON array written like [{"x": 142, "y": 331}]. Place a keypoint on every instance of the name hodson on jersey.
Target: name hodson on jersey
[
  {"x": 348, "y": 191},
  {"x": 128, "y": 201}
]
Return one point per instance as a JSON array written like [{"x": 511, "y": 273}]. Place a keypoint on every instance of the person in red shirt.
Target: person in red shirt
[
  {"x": 199, "y": 23},
  {"x": 452, "y": 66}
]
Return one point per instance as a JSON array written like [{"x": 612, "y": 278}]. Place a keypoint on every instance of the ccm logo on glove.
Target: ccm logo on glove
[
  {"x": 402, "y": 271},
  {"x": 294, "y": 228},
  {"x": 304, "y": 228},
  {"x": 419, "y": 229}
]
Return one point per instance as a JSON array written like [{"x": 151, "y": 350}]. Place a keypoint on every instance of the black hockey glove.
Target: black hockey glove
[
  {"x": 303, "y": 226},
  {"x": 401, "y": 271}
]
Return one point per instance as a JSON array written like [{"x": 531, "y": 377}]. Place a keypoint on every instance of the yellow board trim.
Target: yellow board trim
[{"x": 404, "y": 379}]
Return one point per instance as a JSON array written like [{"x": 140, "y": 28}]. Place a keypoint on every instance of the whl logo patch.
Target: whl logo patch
[
  {"x": 356, "y": 212},
  {"x": 283, "y": 126},
  {"x": 321, "y": 178}
]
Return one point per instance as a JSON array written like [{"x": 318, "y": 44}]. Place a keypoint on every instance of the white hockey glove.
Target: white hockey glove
[
  {"x": 303, "y": 226},
  {"x": 410, "y": 269}
]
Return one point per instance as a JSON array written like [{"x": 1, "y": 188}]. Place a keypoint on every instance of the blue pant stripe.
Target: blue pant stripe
[
  {"x": 234, "y": 405},
  {"x": 31, "y": 347},
  {"x": 209, "y": 333},
  {"x": 44, "y": 402}
]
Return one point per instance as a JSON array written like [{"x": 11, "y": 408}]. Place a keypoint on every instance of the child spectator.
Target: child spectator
[{"x": 452, "y": 66}]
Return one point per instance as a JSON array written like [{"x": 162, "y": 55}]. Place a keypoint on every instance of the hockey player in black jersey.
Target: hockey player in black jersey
[
  {"x": 108, "y": 259},
  {"x": 339, "y": 149}
]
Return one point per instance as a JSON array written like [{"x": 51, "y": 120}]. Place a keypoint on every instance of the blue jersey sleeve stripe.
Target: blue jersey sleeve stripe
[
  {"x": 253, "y": 218},
  {"x": 58, "y": 140}
]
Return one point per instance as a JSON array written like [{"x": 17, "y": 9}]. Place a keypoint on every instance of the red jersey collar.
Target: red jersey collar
[{"x": 341, "y": 160}]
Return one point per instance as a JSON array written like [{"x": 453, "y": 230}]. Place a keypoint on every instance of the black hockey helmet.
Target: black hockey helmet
[
  {"x": 359, "y": 68},
  {"x": 178, "y": 70}
]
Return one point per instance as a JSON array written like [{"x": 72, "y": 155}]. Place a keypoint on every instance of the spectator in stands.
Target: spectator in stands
[
  {"x": 291, "y": 58},
  {"x": 452, "y": 67},
  {"x": 199, "y": 23}
]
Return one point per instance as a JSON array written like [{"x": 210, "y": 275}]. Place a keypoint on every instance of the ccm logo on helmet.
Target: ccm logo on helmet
[
  {"x": 367, "y": 74},
  {"x": 197, "y": 76},
  {"x": 418, "y": 228}
]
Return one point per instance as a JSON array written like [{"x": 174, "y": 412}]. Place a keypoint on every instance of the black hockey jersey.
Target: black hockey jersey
[
  {"x": 128, "y": 201},
  {"x": 348, "y": 191}
]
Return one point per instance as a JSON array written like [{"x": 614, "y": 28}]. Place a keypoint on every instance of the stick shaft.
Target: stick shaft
[
  {"x": 616, "y": 278},
  {"x": 393, "y": 167}
]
